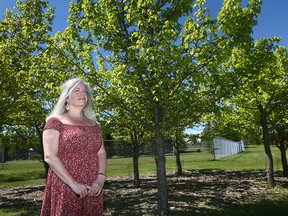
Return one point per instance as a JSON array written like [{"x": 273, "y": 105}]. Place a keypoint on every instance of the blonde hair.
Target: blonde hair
[{"x": 66, "y": 90}]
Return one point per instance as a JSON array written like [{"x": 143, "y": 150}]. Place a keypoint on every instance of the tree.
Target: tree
[
  {"x": 150, "y": 66},
  {"x": 278, "y": 117},
  {"x": 33, "y": 66},
  {"x": 128, "y": 131},
  {"x": 280, "y": 140},
  {"x": 23, "y": 35},
  {"x": 262, "y": 79},
  {"x": 177, "y": 140}
]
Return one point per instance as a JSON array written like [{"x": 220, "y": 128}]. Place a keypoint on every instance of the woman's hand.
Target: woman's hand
[
  {"x": 97, "y": 186},
  {"x": 81, "y": 190}
]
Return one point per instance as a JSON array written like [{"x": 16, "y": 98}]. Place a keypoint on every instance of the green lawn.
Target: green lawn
[
  {"x": 17, "y": 173},
  {"x": 252, "y": 159}
]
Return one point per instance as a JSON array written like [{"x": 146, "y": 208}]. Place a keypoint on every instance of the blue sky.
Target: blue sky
[{"x": 273, "y": 20}]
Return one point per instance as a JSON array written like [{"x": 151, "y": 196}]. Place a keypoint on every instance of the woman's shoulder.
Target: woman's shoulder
[{"x": 53, "y": 123}]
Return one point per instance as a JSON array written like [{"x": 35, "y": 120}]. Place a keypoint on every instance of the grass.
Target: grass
[
  {"x": 252, "y": 159},
  {"x": 19, "y": 173},
  {"x": 19, "y": 211}
]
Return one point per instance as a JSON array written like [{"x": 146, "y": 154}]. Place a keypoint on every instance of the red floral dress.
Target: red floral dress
[{"x": 78, "y": 147}]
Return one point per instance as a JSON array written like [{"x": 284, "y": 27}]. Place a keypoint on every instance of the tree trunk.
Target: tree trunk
[
  {"x": 2, "y": 156},
  {"x": 135, "y": 151},
  {"x": 161, "y": 175},
  {"x": 284, "y": 163},
  {"x": 282, "y": 147},
  {"x": 269, "y": 158},
  {"x": 283, "y": 156},
  {"x": 178, "y": 160},
  {"x": 160, "y": 165}
]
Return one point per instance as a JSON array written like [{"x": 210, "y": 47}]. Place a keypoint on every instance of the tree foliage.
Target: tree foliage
[
  {"x": 258, "y": 102},
  {"x": 152, "y": 67},
  {"x": 24, "y": 32}
]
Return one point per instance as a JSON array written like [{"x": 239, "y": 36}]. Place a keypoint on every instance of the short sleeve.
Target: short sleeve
[{"x": 53, "y": 123}]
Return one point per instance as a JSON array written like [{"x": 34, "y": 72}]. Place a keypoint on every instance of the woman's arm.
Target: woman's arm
[
  {"x": 51, "y": 144},
  {"x": 100, "y": 179},
  {"x": 102, "y": 158}
]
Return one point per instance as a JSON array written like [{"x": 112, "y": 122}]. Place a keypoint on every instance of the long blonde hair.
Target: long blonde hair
[{"x": 66, "y": 90}]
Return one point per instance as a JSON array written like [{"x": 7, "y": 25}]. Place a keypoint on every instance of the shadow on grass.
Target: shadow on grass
[
  {"x": 264, "y": 208},
  {"x": 21, "y": 201},
  {"x": 23, "y": 177},
  {"x": 206, "y": 192}
]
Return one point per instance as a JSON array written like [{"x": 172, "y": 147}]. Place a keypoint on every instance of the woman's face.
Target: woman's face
[{"x": 79, "y": 96}]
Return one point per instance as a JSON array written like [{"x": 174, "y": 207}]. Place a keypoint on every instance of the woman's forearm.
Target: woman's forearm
[
  {"x": 102, "y": 163},
  {"x": 58, "y": 168}
]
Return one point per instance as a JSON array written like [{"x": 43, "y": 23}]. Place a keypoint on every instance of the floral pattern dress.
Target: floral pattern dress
[{"x": 78, "y": 147}]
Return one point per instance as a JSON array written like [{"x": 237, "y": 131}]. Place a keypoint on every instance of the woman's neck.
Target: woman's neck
[{"x": 74, "y": 114}]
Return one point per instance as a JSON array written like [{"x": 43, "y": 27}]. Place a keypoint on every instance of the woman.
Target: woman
[{"x": 75, "y": 153}]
